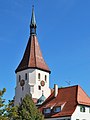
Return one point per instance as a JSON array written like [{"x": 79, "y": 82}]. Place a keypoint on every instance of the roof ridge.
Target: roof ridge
[
  {"x": 29, "y": 49},
  {"x": 68, "y": 87},
  {"x": 85, "y": 92},
  {"x": 35, "y": 54}
]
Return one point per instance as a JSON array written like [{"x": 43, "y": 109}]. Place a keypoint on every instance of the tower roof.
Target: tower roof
[{"x": 33, "y": 56}]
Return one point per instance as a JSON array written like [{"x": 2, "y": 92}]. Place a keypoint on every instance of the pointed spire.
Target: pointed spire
[
  {"x": 33, "y": 22},
  {"x": 33, "y": 58}
]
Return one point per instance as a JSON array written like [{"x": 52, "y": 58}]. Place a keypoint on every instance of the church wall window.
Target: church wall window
[
  {"x": 39, "y": 87},
  {"x": 45, "y": 78},
  {"x": 39, "y": 76},
  {"x": 22, "y": 88},
  {"x": 19, "y": 78},
  {"x": 21, "y": 100},
  {"x": 26, "y": 76}
]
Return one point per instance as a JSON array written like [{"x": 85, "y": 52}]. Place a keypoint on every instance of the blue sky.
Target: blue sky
[{"x": 63, "y": 30}]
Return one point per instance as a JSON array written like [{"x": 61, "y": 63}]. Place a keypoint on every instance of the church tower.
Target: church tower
[{"x": 32, "y": 74}]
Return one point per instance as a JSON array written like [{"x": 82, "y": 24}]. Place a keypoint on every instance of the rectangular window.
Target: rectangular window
[
  {"x": 45, "y": 78},
  {"x": 26, "y": 76},
  {"x": 82, "y": 108},
  {"x": 39, "y": 76},
  {"x": 89, "y": 109},
  {"x": 21, "y": 100},
  {"x": 47, "y": 110},
  {"x": 22, "y": 88},
  {"x": 39, "y": 87},
  {"x": 57, "y": 109},
  {"x": 19, "y": 78}
]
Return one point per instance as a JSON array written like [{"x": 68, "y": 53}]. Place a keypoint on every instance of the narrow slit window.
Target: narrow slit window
[
  {"x": 39, "y": 76},
  {"x": 26, "y": 76},
  {"x": 22, "y": 88},
  {"x": 39, "y": 87},
  {"x": 21, "y": 100},
  {"x": 19, "y": 78},
  {"x": 45, "y": 78}
]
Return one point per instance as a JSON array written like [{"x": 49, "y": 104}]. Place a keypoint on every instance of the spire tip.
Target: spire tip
[{"x": 33, "y": 22}]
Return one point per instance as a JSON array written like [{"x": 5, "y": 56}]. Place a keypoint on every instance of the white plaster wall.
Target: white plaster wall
[
  {"x": 66, "y": 118},
  {"x": 46, "y": 89},
  {"x": 81, "y": 115},
  {"x": 32, "y": 80},
  {"x": 18, "y": 90}
]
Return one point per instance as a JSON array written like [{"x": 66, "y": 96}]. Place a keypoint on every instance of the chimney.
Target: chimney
[{"x": 55, "y": 90}]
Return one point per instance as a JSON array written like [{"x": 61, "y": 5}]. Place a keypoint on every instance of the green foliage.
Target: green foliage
[
  {"x": 28, "y": 111},
  {"x": 2, "y": 106},
  {"x": 12, "y": 111}
]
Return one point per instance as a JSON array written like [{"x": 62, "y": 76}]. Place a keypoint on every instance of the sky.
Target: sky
[{"x": 63, "y": 31}]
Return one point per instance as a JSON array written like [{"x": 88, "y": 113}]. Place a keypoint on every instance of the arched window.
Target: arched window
[
  {"x": 19, "y": 78},
  {"x": 45, "y": 78},
  {"x": 39, "y": 76}
]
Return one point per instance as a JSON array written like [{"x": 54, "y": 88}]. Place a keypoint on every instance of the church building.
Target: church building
[
  {"x": 32, "y": 77},
  {"x": 32, "y": 74}
]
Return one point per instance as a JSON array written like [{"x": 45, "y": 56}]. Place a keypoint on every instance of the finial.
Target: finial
[
  {"x": 32, "y": 6},
  {"x": 33, "y": 22}
]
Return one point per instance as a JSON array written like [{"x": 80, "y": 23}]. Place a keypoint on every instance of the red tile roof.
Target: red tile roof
[
  {"x": 82, "y": 97},
  {"x": 69, "y": 97},
  {"x": 33, "y": 56}
]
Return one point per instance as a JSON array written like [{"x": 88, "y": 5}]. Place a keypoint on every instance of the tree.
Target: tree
[
  {"x": 7, "y": 111},
  {"x": 3, "y": 107},
  {"x": 28, "y": 111},
  {"x": 12, "y": 111}
]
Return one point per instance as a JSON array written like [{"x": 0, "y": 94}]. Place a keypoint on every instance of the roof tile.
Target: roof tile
[
  {"x": 70, "y": 97},
  {"x": 33, "y": 56}
]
